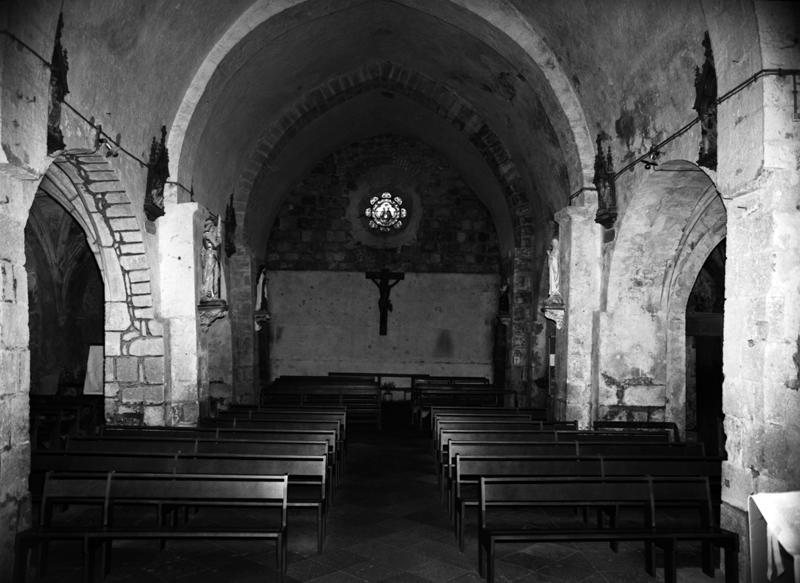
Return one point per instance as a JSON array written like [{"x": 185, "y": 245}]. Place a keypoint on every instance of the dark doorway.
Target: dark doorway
[
  {"x": 66, "y": 317},
  {"x": 704, "y": 324}
]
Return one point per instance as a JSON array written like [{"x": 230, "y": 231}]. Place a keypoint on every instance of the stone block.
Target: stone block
[
  {"x": 133, "y": 262},
  {"x": 117, "y": 316},
  {"x": 130, "y": 236},
  {"x": 644, "y": 396},
  {"x": 142, "y": 394},
  {"x": 105, "y": 186},
  {"x": 14, "y": 332},
  {"x": 8, "y": 284},
  {"x": 116, "y": 198},
  {"x": 153, "y": 369},
  {"x": 155, "y": 328},
  {"x": 123, "y": 224},
  {"x": 126, "y": 369},
  {"x": 135, "y": 276},
  {"x": 109, "y": 374},
  {"x": 144, "y": 313},
  {"x": 119, "y": 210},
  {"x": 132, "y": 249},
  {"x": 153, "y": 416},
  {"x": 143, "y": 301},
  {"x": 140, "y": 288},
  {"x": 113, "y": 343},
  {"x": 149, "y": 346}
]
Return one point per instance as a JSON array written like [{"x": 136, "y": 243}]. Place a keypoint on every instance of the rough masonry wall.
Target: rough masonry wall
[
  {"x": 315, "y": 230},
  {"x": 15, "y": 199}
]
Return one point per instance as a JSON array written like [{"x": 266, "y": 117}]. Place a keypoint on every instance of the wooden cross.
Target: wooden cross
[{"x": 385, "y": 280}]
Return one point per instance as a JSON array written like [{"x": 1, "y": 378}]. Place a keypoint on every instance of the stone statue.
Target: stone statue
[
  {"x": 553, "y": 268},
  {"x": 212, "y": 237},
  {"x": 261, "y": 291}
]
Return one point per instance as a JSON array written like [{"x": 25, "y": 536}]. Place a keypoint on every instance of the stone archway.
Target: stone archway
[
  {"x": 88, "y": 188},
  {"x": 705, "y": 230},
  {"x": 498, "y": 20},
  {"x": 673, "y": 221}
]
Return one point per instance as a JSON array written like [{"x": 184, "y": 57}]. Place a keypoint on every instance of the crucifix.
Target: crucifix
[{"x": 385, "y": 280}]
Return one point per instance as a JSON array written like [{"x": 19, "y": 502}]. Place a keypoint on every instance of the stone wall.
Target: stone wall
[
  {"x": 16, "y": 195},
  {"x": 321, "y": 224},
  {"x": 441, "y": 323}
]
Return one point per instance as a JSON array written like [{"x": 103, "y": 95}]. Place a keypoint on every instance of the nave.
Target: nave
[{"x": 387, "y": 524}]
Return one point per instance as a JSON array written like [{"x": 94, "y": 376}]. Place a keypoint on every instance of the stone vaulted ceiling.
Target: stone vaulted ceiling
[{"x": 304, "y": 62}]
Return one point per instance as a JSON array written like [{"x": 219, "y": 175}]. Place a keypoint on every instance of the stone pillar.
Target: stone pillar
[
  {"x": 581, "y": 263},
  {"x": 761, "y": 359},
  {"x": 241, "y": 301},
  {"x": 178, "y": 230},
  {"x": 521, "y": 319},
  {"x": 15, "y": 197}
]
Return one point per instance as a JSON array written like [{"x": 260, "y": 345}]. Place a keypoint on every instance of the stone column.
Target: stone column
[
  {"x": 241, "y": 298},
  {"x": 16, "y": 194},
  {"x": 581, "y": 262},
  {"x": 761, "y": 359},
  {"x": 178, "y": 230}
]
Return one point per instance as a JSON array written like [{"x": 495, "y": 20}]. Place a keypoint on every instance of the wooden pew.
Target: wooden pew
[
  {"x": 232, "y": 433},
  {"x": 362, "y": 398},
  {"x": 266, "y": 413},
  {"x": 131, "y": 444},
  {"x": 630, "y": 426},
  {"x": 445, "y": 435},
  {"x": 505, "y": 424},
  {"x": 468, "y": 470},
  {"x": 309, "y": 487},
  {"x": 110, "y": 490},
  {"x": 644, "y": 494},
  {"x": 536, "y": 414},
  {"x": 425, "y": 395},
  {"x": 564, "y": 448}
]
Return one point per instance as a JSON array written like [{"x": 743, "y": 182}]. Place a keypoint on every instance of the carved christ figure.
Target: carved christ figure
[
  {"x": 212, "y": 237},
  {"x": 553, "y": 268},
  {"x": 385, "y": 280}
]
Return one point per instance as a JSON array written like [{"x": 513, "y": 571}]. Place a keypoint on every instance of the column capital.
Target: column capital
[{"x": 583, "y": 207}]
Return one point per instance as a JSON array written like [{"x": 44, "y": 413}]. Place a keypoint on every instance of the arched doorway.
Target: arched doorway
[
  {"x": 704, "y": 325},
  {"x": 66, "y": 317}
]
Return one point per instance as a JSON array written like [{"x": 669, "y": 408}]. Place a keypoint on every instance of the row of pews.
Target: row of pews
[
  {"x": 363, "y": 393},
  {"x": 247, "y": 474},
  {"x": 499, "y": 468}
]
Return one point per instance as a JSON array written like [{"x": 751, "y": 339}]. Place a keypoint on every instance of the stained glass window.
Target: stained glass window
[{"x": 385, "y": 212}]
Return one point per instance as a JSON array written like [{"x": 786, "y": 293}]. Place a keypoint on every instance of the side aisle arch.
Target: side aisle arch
[
  {"x": 87, "y": 186},
  {"x": 674, "y": 216}
]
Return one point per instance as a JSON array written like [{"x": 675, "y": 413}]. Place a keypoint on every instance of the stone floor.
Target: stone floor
[{"x": 386, "y": 525}]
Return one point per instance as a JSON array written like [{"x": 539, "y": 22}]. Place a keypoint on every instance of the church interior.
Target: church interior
[{"x": 367, "y": 223}]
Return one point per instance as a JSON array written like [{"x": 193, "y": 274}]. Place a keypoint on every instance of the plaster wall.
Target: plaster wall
[{"x": 441, "y": 323}]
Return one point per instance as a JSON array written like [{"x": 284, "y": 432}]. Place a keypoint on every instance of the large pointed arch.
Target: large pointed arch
[{"x": 88, "y": 188}]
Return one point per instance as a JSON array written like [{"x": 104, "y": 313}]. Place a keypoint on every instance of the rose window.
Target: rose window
[{"x": 385, "y": 212}]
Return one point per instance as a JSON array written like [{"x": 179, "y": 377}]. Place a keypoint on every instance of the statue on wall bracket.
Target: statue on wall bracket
[
  {"x": 230, "y": 228},
  {"x": 59, "y": 66},
  {"x": 554, "y": 304},
  {"x": 705, "y": 104},
  {"x": 211, "y": 306},
  {"x": 157, "y": 174},
  {"x": 605, "y": 183},
  {"x": 261, "y": 314}
]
